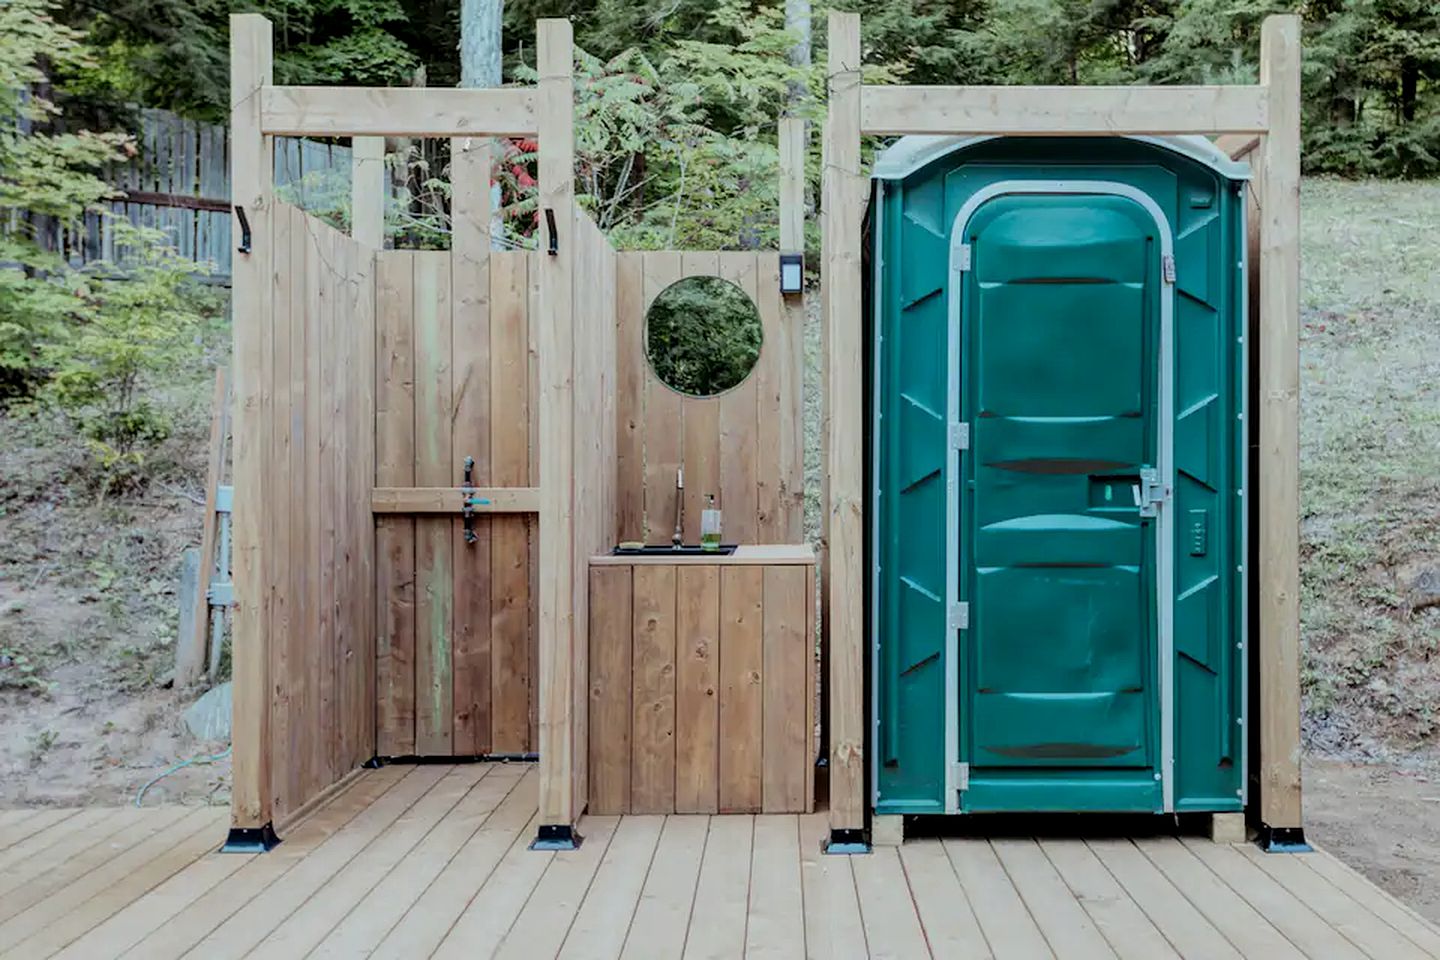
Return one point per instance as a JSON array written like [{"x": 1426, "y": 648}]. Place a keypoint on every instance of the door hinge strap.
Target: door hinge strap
[
  {"x": 1167, "y": 268},
  {"x": 959, "y": 436},
  {"x": 959, "y": 618},
  {"x": 961, "y": 775},
  {"x": 962, "y": 261}
]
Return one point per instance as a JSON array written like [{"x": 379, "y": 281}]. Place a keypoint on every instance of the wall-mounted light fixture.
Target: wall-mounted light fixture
[{"x": 792, "y": 273}]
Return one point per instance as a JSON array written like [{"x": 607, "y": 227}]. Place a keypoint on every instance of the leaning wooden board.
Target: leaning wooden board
[{"x": 702, "y": 682}]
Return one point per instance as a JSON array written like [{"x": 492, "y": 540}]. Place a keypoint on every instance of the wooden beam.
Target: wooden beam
[
  {"x": 1061, "y": 111},
  {"x": 251, "y": 177},
  {"x": 792, "y": 185},
  {"x": 554, "y": 102},
  {"x": 844, "y": 188},
  {"x": 367, "y": 191},
  {"x": 1279, "y": 415},
  {"x": 451, "y": 499},
  {"x": 397, "y": 112}
]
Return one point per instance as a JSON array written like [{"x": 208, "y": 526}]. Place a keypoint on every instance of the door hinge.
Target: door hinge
[
  {"x": 1167, "y": 268},
  {"x": 959, "y": 618},
  {"x": 959, "y": 436},
  {"x": 962, "y": 262},
  {"x": 960, "y": 775},
  {"x": 1150, "y": 493}
]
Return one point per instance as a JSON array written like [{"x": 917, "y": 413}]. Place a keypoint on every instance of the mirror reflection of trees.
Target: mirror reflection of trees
[{"x": 702, "y": 336}]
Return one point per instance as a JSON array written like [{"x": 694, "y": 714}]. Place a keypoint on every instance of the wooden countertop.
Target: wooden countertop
[{"x": 749, "y": 553}]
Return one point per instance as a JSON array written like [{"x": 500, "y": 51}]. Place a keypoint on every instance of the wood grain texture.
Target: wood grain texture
[
  {"x": 786, "y": 657},
  {"x": 631, "y": 370},
  {"x": 697, "y": 689},
  {"x": 652, "y": 764},
  {"x": 664, "y": 429},
  {"x": 396, "y": 111},
  {"x": 742, "y": 661},
  {"x": 739, "y": 429},
  {"x": 611, "y": 630}
]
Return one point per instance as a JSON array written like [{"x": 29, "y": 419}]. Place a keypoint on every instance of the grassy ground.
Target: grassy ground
[{"x": 1370, "y": 467}]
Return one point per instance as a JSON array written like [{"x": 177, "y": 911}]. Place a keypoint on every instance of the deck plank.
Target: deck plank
[
  {"x": 776, "y": 925},
  {"x": 664, "y": 914},
  {"x": 365, "y": 926},
  {"x": 1377, "y": 901},
  {"x": 34, "y": 822},
  {"x": 832, "y": 910},
  {"x": 1008, "y": 926},
  {"x": 944, "y": 908},
  {"x": 1130, "y": 933},
  {"x": 1176, "y": 917},
  {"x": 543, "y": 925},
  {"x": 722, "y": 887},
  {"x": 240, "y": 934},
  {"x": 1378, "y": 938},
  {"x": 422, "y": 928},
  {"x": 603, "y": 920},
  {"x": 175, "y": 935},
  {"x": 35, "y": 845},
  {"x": 54, "y": 922},
  {"x": 1064, "y": 923},
  {"x": 311, "y": 921},
  {"x": 887, "y": 906},
  {"x": 1251, "y": 933},
  {"x": 1287, "y": 913}
]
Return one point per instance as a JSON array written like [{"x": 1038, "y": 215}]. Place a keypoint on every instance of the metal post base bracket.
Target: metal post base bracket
[
  {"x": 846, "y": 842},
  {"x": 1283, "y": 840},
  {"x": 251, "y": 840},
  {"x": 557, "y": 837}
]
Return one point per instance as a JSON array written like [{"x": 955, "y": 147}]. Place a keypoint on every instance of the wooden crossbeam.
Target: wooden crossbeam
[
  {"x": 452, "y": 499},
  {"x": 1063, "y": 111},
  {"x": 397, "y": 112}
]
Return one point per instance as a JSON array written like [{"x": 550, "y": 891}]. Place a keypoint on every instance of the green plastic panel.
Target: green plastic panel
[{"x": 1058, "y": 698}]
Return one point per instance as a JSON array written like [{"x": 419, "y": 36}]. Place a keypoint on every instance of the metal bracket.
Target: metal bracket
[
  {"x": 1283, "y": 840},
  {"x": 960, "y": 775},
  {"x": 244, "y": 229},
  {"x": 959, "y": 436},
  {"x": 467, "y": 507},
  {"x": 963, "y": 262},
  {"x": 251, "y": 840},
  {"x": 845, "y": 842},
  {"x": 959, "y": 616},
  {"x": 554, "y": 248},
  {"x": 556, "y": 837},
  {"x": 1167, "y": 268},
  {"x": 1151, "y": 493}
]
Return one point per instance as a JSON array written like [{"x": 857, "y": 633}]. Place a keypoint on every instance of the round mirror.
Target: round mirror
[{"x": 702, "y": 336}]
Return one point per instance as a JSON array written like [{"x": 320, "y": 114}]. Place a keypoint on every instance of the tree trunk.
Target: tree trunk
[
  {"x": 797, "y": 23},
  {"x": 480, "y": 66},
  {"x": 1409, "y": 88}
]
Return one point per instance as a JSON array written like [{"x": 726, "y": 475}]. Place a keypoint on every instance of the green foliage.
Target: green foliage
[
  {"x": 702, "y": 336},
  {"x": 134, "y": 325}
]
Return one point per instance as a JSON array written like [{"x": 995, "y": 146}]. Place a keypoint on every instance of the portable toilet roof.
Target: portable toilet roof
[{"x": 910, "y": 153}]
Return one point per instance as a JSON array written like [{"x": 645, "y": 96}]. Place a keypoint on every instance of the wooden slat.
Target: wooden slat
[
  {"x": 363, "y": 605},
  {"x": 1421, "y": 932},
  {"x": 1064, "y": 923},
  {"x": 1008, "y": 926},
  {"x": 322, "y": 737},
  {"x": 668, "y": 902},
  {"x": 742, "y": 591},
  {"x": 395, "y": 536},
  {"x": 697, "y": 687},
  {"x": 845, "y": 505},
  {"x": 1076, "y": 111},
  {"x": 786, "y": 659},
  {"x": 511, "y": 416},
  {"x": 555, "y": 335},
  {"x": 251, "y": 170},
  {"x": 426, "y": 923},
  {"x": 793, "y": 146},
  {"x": 603, "y": 919},
  {"x": 778, "y": 453},
  {"x": 717, "y": 931},
  {"x": 1129, "y": 932},
  {"x": 1278, "y": 364},
  {"x": 700, "y": 424},
  {"x": 892, "y": 925},
  {"x": 664, "y": 424},
  {"x": 740, "y": 417},
  {"x": 944, "y": 909},
  {"x": 289, "y": 452},
  {"x": 470, "y": 386},
  {"x": 630, "y": 373},
  {"x": 833, "y": 927},
  {"x": 776, "y": 924},
  {"x": 611, "y": 628},
  {"x": 367, "y": 191},
  {"x": 397, "y": 112},
  {"x": 652, "y": 771},
  {"x": 539, "y": 929},
  {"x": 435, "y": 465}
]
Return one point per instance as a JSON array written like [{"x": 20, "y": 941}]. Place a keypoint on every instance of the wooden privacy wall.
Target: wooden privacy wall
[
  {"x": 317, "y": 545},
  {"x": 457, "y": 621},
  {"x": 746, "y": 445},
  {"x": 702, "y": 681}
]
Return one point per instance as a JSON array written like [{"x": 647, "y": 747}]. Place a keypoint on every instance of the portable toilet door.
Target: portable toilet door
[{"x": 1059, "y": 452}]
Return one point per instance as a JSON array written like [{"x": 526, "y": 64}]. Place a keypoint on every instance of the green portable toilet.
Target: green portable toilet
[{"x": 1057, "y": 459}]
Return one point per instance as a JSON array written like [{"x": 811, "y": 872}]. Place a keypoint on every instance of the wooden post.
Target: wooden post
[
  {"x": 367, "y": 191},
  {"x": 252, "y": 188},
  {"x": 1279, "y": 415},
  {"x": 843, "y": 196},
  {"x": 792, "y": 185},
  {"x": 557, "y": 639}
]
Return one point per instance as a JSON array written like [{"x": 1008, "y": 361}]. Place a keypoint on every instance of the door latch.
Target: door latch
[{"x": 1150, "y": 493}]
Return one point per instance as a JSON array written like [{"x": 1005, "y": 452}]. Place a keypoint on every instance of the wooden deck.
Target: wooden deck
[{"x": 431, "y": 861}]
